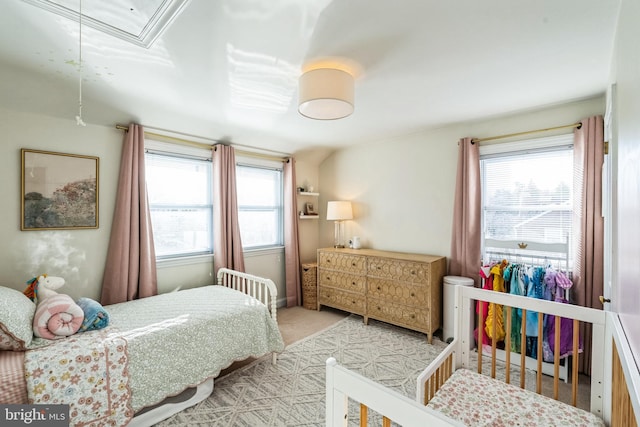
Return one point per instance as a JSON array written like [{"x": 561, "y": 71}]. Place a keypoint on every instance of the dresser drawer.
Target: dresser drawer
[
  {"x": 402, "y": 293},
  {"x": 345, "y": 281},
  {"x": 403, "y": 271},
  {"x": 411, "y": 317},
  {"x": 344, "y": 262},
  {"x": 341, "y": 299}
]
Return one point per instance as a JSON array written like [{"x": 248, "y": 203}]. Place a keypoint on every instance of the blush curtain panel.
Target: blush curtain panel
[
  {"x": 291, "y": 245},
  {"x": 227, "y": 245},
  {"x": 130, "y": 269},
  {"x": 588, "y": 224},
  {"x": 466, "y": 231}
]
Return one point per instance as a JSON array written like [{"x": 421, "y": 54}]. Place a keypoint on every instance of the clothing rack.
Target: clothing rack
[{"x": 535, "y": 254}]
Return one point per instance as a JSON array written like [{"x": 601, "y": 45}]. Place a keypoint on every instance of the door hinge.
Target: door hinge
[{"x": 606, "y": 147}]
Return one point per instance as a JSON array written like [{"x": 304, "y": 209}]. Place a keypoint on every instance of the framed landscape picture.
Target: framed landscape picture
[{"x": 59, "y": 191}]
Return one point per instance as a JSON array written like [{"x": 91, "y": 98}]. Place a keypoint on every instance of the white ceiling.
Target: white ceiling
[{"x": 228, "y": 69}]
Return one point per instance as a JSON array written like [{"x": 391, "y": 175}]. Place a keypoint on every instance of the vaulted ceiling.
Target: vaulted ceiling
[{"x": 229, "y": 69}]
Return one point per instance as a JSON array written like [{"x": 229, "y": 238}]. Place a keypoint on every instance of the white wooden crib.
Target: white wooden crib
[{"x": 454, "y": 370}]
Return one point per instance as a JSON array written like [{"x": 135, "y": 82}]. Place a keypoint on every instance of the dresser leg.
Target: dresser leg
[
  {"x": 430, "y": 337},
  {"x": 365, "y": 320}
]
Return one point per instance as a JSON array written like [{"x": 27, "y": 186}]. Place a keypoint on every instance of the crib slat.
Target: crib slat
[
  {"x": 481, "y": 333},
  {"x": 574, "y": 370},
  {"x": 386, "y": 422},
  {"x": 523, "y": 348},
  {"x": 556, "y": 357},
  {"x": 539, "y": 353},
  {"x": 364, "y": 410},
  {"x": 494, "y": 332},
  {"x": 507, "y": 346}
]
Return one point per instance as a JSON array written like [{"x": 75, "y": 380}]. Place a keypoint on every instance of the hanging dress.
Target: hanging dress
[{"x": 498, "y": 285}]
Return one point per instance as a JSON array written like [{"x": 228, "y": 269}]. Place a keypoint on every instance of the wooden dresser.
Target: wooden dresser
[{"x": 394, "y": 287}]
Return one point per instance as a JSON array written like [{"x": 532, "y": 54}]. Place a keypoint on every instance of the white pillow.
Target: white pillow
[{"x": 16, "y": 319}]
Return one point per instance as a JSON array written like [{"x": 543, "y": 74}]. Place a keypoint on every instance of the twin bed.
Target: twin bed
[
  {"x": 463, "y": 387},
  {"x": 154, "y": 348}
]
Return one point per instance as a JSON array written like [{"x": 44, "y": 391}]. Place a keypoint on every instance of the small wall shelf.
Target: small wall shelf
[
  {"x": 309, "y": 216},
  {"x": 306, "y": 193}
]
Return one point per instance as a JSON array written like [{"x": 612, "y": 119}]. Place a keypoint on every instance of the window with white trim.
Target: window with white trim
[
  {"x": 260, "y": 206},
  {"x": 179, "y": 189},
  {"x": 179, "y": 183},
  {"x": 527, "y": 191}
]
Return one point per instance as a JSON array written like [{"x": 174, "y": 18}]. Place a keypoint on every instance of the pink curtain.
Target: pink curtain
[
  {"x": 227, "y": 245},
  {"x": 466, "y": 233},
  {"x": 130, "y": 270},
  {"x": 588, "y": 272},
  {"x": 291, "y": 247}
]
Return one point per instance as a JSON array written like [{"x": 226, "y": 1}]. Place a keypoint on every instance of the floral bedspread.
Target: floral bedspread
[
  {"x": 154, "y": 348},
  {"x": 479, "y": 400},
  {"x": 89, "y": 372}
]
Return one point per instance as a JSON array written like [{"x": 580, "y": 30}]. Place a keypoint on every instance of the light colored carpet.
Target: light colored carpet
[{"x": 292, "y": 392}]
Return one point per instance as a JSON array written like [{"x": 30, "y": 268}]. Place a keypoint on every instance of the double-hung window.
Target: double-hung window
[
  {"x": 179, "y": 187},
  {"x": 527, "y": 191},
  {"x": 260, "y": 206},
  {"x": 179, "y": 184}
]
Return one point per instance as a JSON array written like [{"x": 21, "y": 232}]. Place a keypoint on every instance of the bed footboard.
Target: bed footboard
[{"x": 262, "y": 289}]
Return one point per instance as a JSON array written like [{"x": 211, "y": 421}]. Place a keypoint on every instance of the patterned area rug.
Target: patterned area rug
[{"x": 292, "y": 393}]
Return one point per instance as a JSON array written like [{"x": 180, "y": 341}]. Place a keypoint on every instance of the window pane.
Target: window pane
[
  {"x": 257, "y": 228},
  {"x": 181, "y": 208},
  {"x": 178, "y": 181},
  {"x": 181, "y": 231},
  {"x": 529, "y": 197}
]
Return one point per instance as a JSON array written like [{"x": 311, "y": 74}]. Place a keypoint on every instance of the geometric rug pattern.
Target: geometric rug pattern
[{"x": 292, "y": 393}]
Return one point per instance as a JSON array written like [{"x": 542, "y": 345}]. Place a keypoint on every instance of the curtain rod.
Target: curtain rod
[
  {"x": 509, "y": 135},
  {"x": 204, "y": 145}
]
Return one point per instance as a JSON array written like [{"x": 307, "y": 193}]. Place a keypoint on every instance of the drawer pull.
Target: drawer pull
[
  {"x": 353, "y": 283},
  {"x": 378, "y": 308},
  {"x": 412, "y": 294},
  {"x": 378, "y": 287},
  {"x": 353, "y": 264},
  {"x": 413, "y": 272},
  {"x": 328, "y": 279},
  {"x": 413, "y": 316},
  {"x": 353, "y": 302}
]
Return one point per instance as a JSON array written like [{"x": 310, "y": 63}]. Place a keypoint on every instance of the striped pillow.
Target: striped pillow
[
  {"x": 16, "y": 319},
  {"x": 13, "y": 386}
]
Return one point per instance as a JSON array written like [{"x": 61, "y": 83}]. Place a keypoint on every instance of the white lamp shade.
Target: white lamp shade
[
  {"x": 326, "y": 94},
  {"x": 339, "y": 211}
]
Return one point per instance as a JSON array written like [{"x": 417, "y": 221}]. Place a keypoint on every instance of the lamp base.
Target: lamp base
[{"x": 338, "y": 246}]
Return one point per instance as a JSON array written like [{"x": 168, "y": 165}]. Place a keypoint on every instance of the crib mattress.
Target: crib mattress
[{"x": 479, "y": 400}]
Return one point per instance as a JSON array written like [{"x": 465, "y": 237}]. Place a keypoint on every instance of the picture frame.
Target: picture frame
[
  {"x": 309, "y": 209},
  {"x": 59, "y": 191}
]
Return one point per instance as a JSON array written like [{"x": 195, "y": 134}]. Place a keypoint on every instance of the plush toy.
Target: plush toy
[
  {"x": 57, "y": 315},
  {"x": 42, "y": 287}
]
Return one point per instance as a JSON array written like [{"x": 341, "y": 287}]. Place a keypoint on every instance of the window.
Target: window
[
  {"x": 527, "y": 194},
  {"x": 179, "y": 190},
  {"x": 259, "y": 206}
]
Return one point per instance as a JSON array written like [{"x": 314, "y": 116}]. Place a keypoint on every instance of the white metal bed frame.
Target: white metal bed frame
[{"x": 265, "y": 291}]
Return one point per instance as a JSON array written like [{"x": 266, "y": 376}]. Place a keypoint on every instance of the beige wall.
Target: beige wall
[
  {"x": 79, "y": 255},
  {"x": 76, "y": 255},
  {"x": 402, "y": 188}
]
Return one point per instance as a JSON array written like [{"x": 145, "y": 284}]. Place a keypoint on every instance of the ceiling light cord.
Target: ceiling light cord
[{"x": 79, "y": 120}]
